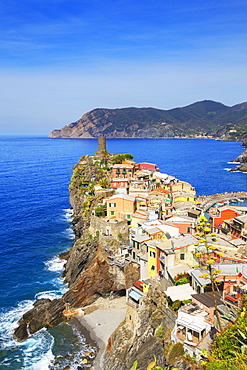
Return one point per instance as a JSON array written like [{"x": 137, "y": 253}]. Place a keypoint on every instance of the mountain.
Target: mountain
[{"x": 207, "y": 118}]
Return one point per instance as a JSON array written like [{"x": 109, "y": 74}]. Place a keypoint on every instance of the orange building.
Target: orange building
[
  {"x": 185, "y": 224},
  {"x": 219, "y": 215},
  {"x": 121, "y": 206}
]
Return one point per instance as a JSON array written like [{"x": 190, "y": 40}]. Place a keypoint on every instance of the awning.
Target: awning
[
  {"x": 135, "y": 295},
  {"x": 190, "y": 324}
]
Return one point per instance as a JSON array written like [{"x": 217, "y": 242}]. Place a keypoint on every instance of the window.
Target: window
[
  {"x": 129, "y": 216},
  {"x": 152, "y": 267},
  {"x": 112, "y": 213},
  {"x": 188, "y": 229},
  {"x": 152, "y": 254},
  {"x": 112, "y": 204},
  {"x": 182, "y": 256},
  {"x": 134, "y": 255}
]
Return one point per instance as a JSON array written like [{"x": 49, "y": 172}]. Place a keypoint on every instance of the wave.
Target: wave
[
  {"x": 38, "y": 351},
  {"x": 69, "y": 233},
  {"x": 50, "y": 294},
  {"x": 55, "y": 264},
  {"x": 68, "y": 214},
  {"x": 33, "y": 354},
  {"x": 233, "y": 162}
]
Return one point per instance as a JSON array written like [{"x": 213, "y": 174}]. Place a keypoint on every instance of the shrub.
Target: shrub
[
  {"x": 183, "y": 280},
  {"x": 176, "y": 350},
  {"x": 176, "y": 305}
]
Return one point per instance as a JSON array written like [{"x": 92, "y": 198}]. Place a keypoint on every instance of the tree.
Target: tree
[
  {"x": 119, "y": 158},
  {"x": 105, "y": 155},
  {"x": 104, "y": 182},
  {"x": 91, "y": 188},
  {"x": 211, "y": 256}
]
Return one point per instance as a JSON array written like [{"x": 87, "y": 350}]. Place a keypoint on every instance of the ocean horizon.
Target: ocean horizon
[{"x": 36, "y": 221}]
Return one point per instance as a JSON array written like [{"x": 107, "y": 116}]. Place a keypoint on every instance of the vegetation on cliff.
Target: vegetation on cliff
[{"x": 229, "y": 349}]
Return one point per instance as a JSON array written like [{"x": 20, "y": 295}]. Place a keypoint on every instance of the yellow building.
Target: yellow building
[
  {"x": 152, "y": 258},
  {"x": 183, "y": 197}
]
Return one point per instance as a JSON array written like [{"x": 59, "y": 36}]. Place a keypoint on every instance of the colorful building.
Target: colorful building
[
  {"x": 121, "y": 206},
  {"x": 147, "y": 166},
  {"x": 219, "y": 215}
]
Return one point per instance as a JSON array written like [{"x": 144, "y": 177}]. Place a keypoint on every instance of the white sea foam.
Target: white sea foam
[
  {"x": 37, "y": 350},
  {"x": 233, "y": 162},
  {"x": 68, "y": 214},
  {"x": 59, "y": 285},
  {"x": 69, "y": 233},
  {"x": 50, "y": 294},
  {"x": 9, "y": 321},
  {"x": 55, "y": 264}
]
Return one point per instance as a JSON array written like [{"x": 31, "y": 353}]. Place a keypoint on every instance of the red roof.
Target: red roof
[{"x": 139, "y": 285}]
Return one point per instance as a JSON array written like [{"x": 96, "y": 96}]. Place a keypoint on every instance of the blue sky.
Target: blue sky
[{"x": 60, "y": 59}]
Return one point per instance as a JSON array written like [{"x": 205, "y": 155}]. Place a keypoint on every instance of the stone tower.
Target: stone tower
[{"x": 101, "y": 143}]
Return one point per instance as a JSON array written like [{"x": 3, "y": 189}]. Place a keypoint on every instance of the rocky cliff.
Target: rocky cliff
[
  {"x": 242, "y": 158},
  {"x": 202, "y": 118},
  {"x": 144, "y": 334},
  {"x": 87, "y": 271}
]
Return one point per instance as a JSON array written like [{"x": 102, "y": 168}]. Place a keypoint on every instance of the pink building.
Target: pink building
[{"x": 148, "y": 166}]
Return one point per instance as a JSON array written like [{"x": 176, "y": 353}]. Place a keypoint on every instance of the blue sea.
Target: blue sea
[{"x": 36, "y": 223}]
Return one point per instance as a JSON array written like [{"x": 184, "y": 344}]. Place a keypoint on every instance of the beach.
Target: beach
[{"x": 99, "y": 322}]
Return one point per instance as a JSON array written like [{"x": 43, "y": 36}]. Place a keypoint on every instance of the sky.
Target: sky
[{"x": 60, "y": 59}]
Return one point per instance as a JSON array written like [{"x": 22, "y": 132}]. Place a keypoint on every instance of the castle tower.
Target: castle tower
[{"x": 101, "y": 143}]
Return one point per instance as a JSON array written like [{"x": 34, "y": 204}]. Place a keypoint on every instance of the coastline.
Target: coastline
[{"x": 99, "y": 322}]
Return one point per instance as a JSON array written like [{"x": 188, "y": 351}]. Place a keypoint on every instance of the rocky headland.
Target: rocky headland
[
  {"x": 201, "y": 119},
  {"x": 96, "y": 286},
  {"x": 242, "y": 160},
  {"x": 87, "y": 271}
]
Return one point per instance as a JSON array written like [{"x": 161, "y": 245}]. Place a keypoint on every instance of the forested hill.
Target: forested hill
[{"x": 202, "y": 118}]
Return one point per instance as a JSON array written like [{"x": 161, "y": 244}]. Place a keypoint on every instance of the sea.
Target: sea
[{"x": 35, "y": 218}]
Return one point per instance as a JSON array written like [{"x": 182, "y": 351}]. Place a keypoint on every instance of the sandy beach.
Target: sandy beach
[{"x": 99, "y": 322}]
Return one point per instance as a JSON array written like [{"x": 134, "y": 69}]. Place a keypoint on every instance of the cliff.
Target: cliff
[
  {"x": 87, "y": 271},
  {"x": 145, "y": 333},
  {"x": 242, "y": 158},
  {"x": 202, "y": 118}
]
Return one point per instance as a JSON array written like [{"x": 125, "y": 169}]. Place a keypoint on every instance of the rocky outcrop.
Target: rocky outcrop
[
  {"x": 87, "y": 271},
  {"x": 144, "y": 334},
  {"x": 136, "y": 339},
  {"x": 89, "y": 276},
  {"x": 242, "y": 158},
  {"x": 46, "y": 313}
]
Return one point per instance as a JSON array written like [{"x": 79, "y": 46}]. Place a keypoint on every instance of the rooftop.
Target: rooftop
[
  {"x": 123, "y": 165},
  {"x": 179, "y": 269},
  {"x": 242, "y": 219},
  {"x": 180, "y": 292},
  {"x": 122, "y": 196},
  {"x": 207, "y": 299}
]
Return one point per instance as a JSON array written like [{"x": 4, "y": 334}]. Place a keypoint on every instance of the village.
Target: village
[{"x": 156, "y": 218}]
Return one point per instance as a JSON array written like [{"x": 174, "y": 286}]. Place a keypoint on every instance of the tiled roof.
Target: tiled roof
[{"x": 207, "y": 299}]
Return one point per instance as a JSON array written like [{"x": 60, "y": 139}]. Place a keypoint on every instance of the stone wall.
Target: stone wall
[{"x": 108, "y": 227}]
